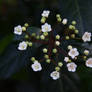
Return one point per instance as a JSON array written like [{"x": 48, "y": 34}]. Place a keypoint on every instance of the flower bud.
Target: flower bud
[
  {"x": 76, "y": 31},
  {"x": 69, "y": 47},
  {"x": 64, "y": 21},
  {"x": 71, "y": 27},
  {"x": 60, "y": 64},
  {"x": 42, "y": 37},
  {"x": 48, "y": 60},
  {"x": 73, "y": 36},
  {"x": 33, "y": 59},
  {"x": 43, "y": 20},
  {"x": 86, "y": 52},
  {"x": 54, "y": 51},
  {"x": 26, "y": 36},
  {"x": 23, "y": 28},
  {"x": 73, "y": 22},
  {"x": 45, "y": 33},
  {"x": 58, "y": 15},
  {"x": 30, "y": 44},
  {"x": 57, "y": 43},
  {"x": 59, "y": 19},
  {"x": 45, "y": 50},
  {"x": 33, "y": 34},
  {"x": 67, "y": 37},
  {"x": 57, "y": 68},
  {"x": 46, "y": 56},
  {"x": 57, "y": 37},
  {"x": 26, "y": 24}
]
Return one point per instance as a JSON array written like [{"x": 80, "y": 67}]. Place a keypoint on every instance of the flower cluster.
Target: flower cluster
[{"x": 54, "y": 46}]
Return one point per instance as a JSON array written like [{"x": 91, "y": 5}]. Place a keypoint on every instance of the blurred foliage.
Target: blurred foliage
[{"x": 14, "y": 12}]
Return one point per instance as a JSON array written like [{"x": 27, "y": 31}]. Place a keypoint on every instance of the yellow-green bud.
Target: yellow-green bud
[
  {"x": 57, "y": 37},
  {"x": 57, "y": 68},
  {"x": 71, "y": 27},
  {"x": 70, "y": 60},
  {"x": 76, "y": 31},
  {"x": 86, "y": 52},
  {"x": 85, "y": 57},
  {"x": 48, "y": 60},
  {"x": 26, "y": 36},
  {"x": 26, "y": 24},
  {"x": 33, "y": 59},
  {"x": 42, "y": 37},
  {"x": 73, "y": 22},
  {"x": 57, "y": 43},
  {"x": 45, "y": 33},
  {"x": 58, "y": 15},
  {"x": 46, "y": 56},
  {"x": 45, "y": 50},
  {"x": 37, "y": 37},
  {"x": 54, "y": 51},
  {"x": 67, "y": 37},
  {"x": 69, "y": 47},
  {"x": 30, "y": 44},
  {"x": 33, "y": 34},
  {"x": 60, "y": 64},
  {"x": 23, "y": 28},
  {"x": 73, "y": 36},
  {"x": 43, "y": 20},
  {"x": 59, "y": 19}
]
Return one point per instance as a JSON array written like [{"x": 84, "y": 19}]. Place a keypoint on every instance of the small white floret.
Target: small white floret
[
  {"x": 89, "y": 63},
  {"x": 73, "y": 53},
  {"x": 46, "y": 27},
  {"x": 45, "y": 13},
  {"x": 86, "y": 37},
  {"x": 18, "y": 30},
  {"x": 55, "y": 75},
  {"x": 66, "y": 59},
  {"x": 22, "y": 46},
  {"x": 36, "y": 66},
  {"x": 64, "y": 21},
  {"x": 71, "y": 67}
]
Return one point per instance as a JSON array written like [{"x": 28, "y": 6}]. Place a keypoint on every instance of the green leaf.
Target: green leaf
[
  {"x": 5, "y": 42},
  {"x": 78, "y": 10}
]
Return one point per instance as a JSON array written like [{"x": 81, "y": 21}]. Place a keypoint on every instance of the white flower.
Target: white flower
[
  {"x": 45, "y": 13},
  {"x": 46, "y": 27},
  {"x": 22, "y": 46},
  {"x": 18, "y": 30},
  {"x": 71, "y": 67},
  {"x": 73, "y": 53},
  {"x": 55, "y": 75},
  {"x": 86, "y": 37},
  {"x": 64, "y": 21},
  {"x": 89, "y": 63},
  {"x": 36, "y": 66},
  {"x": 66, "y": 59}
]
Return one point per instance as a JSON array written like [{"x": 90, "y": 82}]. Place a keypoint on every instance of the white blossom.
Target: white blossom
[
  {"x": 64, "y": 21},
  {"x": 22, "y": 46},
  {"x": 66, "y": 59},
  {"x": 55, "y": 75},
  {"x": 86, "y": 37},
  {"x": 73, "y": 53},
  {"x": 45, "y": 13},
  {"x": 89, "y": 63},
  {"x": 18, "y": 30},
  {"x": 36, "y": 66},
  {"x": 46, "y": 27},
  {"x": 71, "y": 67}
]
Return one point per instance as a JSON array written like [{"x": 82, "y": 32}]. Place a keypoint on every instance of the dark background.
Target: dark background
[{"x": 14, "y": 12}]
